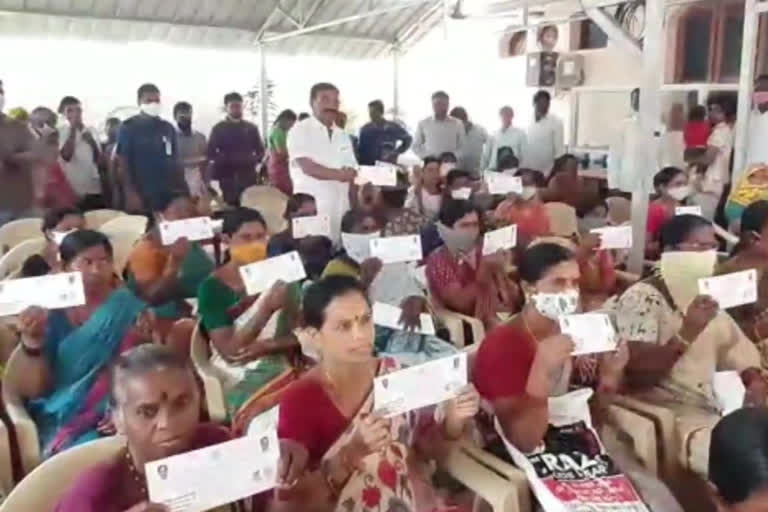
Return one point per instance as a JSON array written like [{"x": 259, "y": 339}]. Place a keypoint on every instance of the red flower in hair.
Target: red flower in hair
[
  {"x": 388, "y": 474},
  {"x": 371, "y": 497}
]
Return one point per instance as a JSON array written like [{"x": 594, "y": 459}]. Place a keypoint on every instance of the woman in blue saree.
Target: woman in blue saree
[{"x": 66, "y": 353}]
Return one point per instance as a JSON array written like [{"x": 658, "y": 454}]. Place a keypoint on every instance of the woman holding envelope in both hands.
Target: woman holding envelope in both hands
[
  {"x": 340, "y": 453},
  {"x": 679, "y": 338},
  {"x": 251, "y": 337}
]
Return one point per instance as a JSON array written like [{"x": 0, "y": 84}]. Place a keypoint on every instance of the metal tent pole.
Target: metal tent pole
[
  {"x": 263, "y": 91},
  {"x": 650, "y": 116},
  {"x": 746, "y": 80},
  {"x": 396, "y": 80}
]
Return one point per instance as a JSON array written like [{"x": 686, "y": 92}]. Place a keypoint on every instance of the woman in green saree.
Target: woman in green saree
[{"x": 252, "y": 341}]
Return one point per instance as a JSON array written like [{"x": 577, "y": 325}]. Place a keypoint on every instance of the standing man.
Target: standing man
[
  {"x": 439, "y": 133},
  {"x": 148, "y": 155},
  {"x": 475, "y": 140},
  {"x": 545, "y": 136},
  {"x": 381, "y": 139},
  {"x": 235, "y": 147},
  {"x": 757, "y": 147},
  {"x": 193, "y": 150},
  {"x": 508, "y": 140},
  {"x": 322, "y": 159},
  {"x": 625, "y": 157},
  {"x": 18, "y": 167},
  {"x": 80, "y": 155}
]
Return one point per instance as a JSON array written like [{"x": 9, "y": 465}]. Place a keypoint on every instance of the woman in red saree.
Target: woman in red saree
[{"x": 350, "y": 458}]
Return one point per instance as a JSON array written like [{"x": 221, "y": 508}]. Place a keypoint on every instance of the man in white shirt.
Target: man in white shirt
[
  {"x": 475, "y": 140},
  {"x": 439, "y": 133},
  {"x": 507, "y": 138},
  {"x": 757, "y": 136},
  {"x": 79, "y": 155},
  {"x": 625, "y": 154},
  {"x": 710, "y": 186},
  {"x": 322, "y": 159},
  {"x": 546, "y": 138}
]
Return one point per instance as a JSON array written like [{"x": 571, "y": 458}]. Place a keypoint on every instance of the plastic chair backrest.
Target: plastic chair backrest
[
  {"x": 42, "y": 489},
  {"x": 269, "y": 201},
  {"x": 619, "y": 210},
  {"x": 125, "y": 223},
  {"x": 94, "y": 219},
  {"x": 214, "y": 392},
  {"x": 27, "y": 437},
  {"x": 562, "y": 219},
  {"x": 11, "y": 262},
  {"x": 14, "y": 232}
]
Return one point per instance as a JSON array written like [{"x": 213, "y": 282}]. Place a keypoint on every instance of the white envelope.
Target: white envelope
[
  {"x": 387, "y": 315},
  {"x": 591, "y": 332},
  {"x": 358, "y": 247},
  {"x": 260, "y": 276},
  {"x": 729, "y": 391},
  {"x": 420, "y": 275},
  {"x": 615, "y": 237},
  {"x": 216, "y": 475},
  {"x": 500, "y": 239},
  {"x": 730, "y": 290},
  {"x": 396, "y": 249},
  {"x": 688, "y": 210},
  {"x": 461, "y": 193},
  {"x": 377, "y": 175},
  {"x": 503, "y": 184},
  {"x": 52, "y": 291},
  {"x": 197, "y": 228},
  {"x": 318, "y": 225},
  {"x": 419, "y": 386}
]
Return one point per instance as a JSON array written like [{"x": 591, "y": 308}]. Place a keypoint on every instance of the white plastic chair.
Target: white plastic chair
[
  {"x": 94, "y": 219},
  {"x": 562, "y": 219},
  {"x": 122, "y": 245},
  {"x": 269, "y": 201},
  {"x": 454, "y": 323},
  {"x": 125, "y": 224},
  {"x": 11, "y": 262},
  {"x": 25, "y": 428},
  {"x": 6, "y": 468},
  {"x": 214, "y": 392},
  {"x": 41, "y": 490},
  {"x": 14, "y": 232}
]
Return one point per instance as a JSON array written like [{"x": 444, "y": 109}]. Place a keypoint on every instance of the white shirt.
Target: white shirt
[
  {"x": 511, "y": 137},
  {"x": 625, "y": 158},
  {"x": 546, "y": 141},
  {"x": 81, "y": 170},
  {"x": 434, "y": 137},
  {"x": 473, "y": 149},
  {"x": 718, "y": 172},
  {"x": 430, "y": 202},
  {"x": 311, "y": 139},
  {"x": 757, "y": 139}
]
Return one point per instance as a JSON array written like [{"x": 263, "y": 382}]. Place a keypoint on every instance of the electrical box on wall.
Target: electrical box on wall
[
  {"x": 542, "y": 69},
  {"x": 570, "y": 71}
]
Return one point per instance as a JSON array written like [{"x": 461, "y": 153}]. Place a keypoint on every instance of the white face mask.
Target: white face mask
[
  {"x": 2, "y": 102},
  {"x": 529, "y": 192},
  {"x": 555, "y": 305},
  {"x": 679, "y": 193},
  {"x": 58, "y": 236},
  {"x": 151, "y": 109}
]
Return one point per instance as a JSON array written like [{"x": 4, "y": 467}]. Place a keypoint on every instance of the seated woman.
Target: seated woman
[
  {"x": 566, "y": 186},
  {"x": 426, "y": 195},
  {"x": 678, "y": 339},
  {"x": 527, "y": 210},
  {"x": 315, "y": 251},
  {"x": 750, "y": 253},
  {"x": 460, "y": 278},
  {"x": 251, "y": 337},
  {"x": 458, "y": 185},
  {"x": 672, "y": 187},
  {"x": 66, "y": 353},
  {"x": 752, "y": 186},
  {"x": 155, "y": 404},
  {"x": 166, "y": 275},
  {"x": 57, "y": 223},
  {"x": 357, "y": 459},
  {"x": 738, "y": 461},
  {"x": 524, "y": 363},
  {"x": 394, "y": 284}
]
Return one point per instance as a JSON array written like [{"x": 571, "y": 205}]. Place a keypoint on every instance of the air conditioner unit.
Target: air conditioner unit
[
  {"x": 542, "y": 69},
  {"x": 570, "y": 70}
]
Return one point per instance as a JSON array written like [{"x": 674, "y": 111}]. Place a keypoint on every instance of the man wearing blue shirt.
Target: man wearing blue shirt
[
  {"x": 148, "y": 157},
  {"x": 381, "y": 139}
]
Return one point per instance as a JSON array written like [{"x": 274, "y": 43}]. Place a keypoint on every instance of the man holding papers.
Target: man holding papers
[
  {"x": 322, "y": 157},
  {"x": 156, "y": 405},
  {"x": 357, "y": 458}
]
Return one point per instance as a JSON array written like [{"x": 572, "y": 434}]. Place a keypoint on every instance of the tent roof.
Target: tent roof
[{"x": 369, "y": 30}]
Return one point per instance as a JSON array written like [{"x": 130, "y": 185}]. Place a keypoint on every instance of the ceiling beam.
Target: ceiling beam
[
  {"x": 290, "y": 18},
  {"x": 343, "y": 34},
  {"x": 615, "y": 32},
  {"x": 307, "y": 18},
  {"x": 268, "y": 20}
]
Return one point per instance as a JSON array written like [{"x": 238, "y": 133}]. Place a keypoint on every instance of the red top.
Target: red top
[
  {"x": 696, "y": 134},
  {"x": 445, "y": 269},
  {"x": 503, "y": 362},
  {"x": 309, "y": 417},
  {"x": 658, "y": 214}
]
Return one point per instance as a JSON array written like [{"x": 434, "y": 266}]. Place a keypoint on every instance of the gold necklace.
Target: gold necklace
[{"x": 136, "y": 476}]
